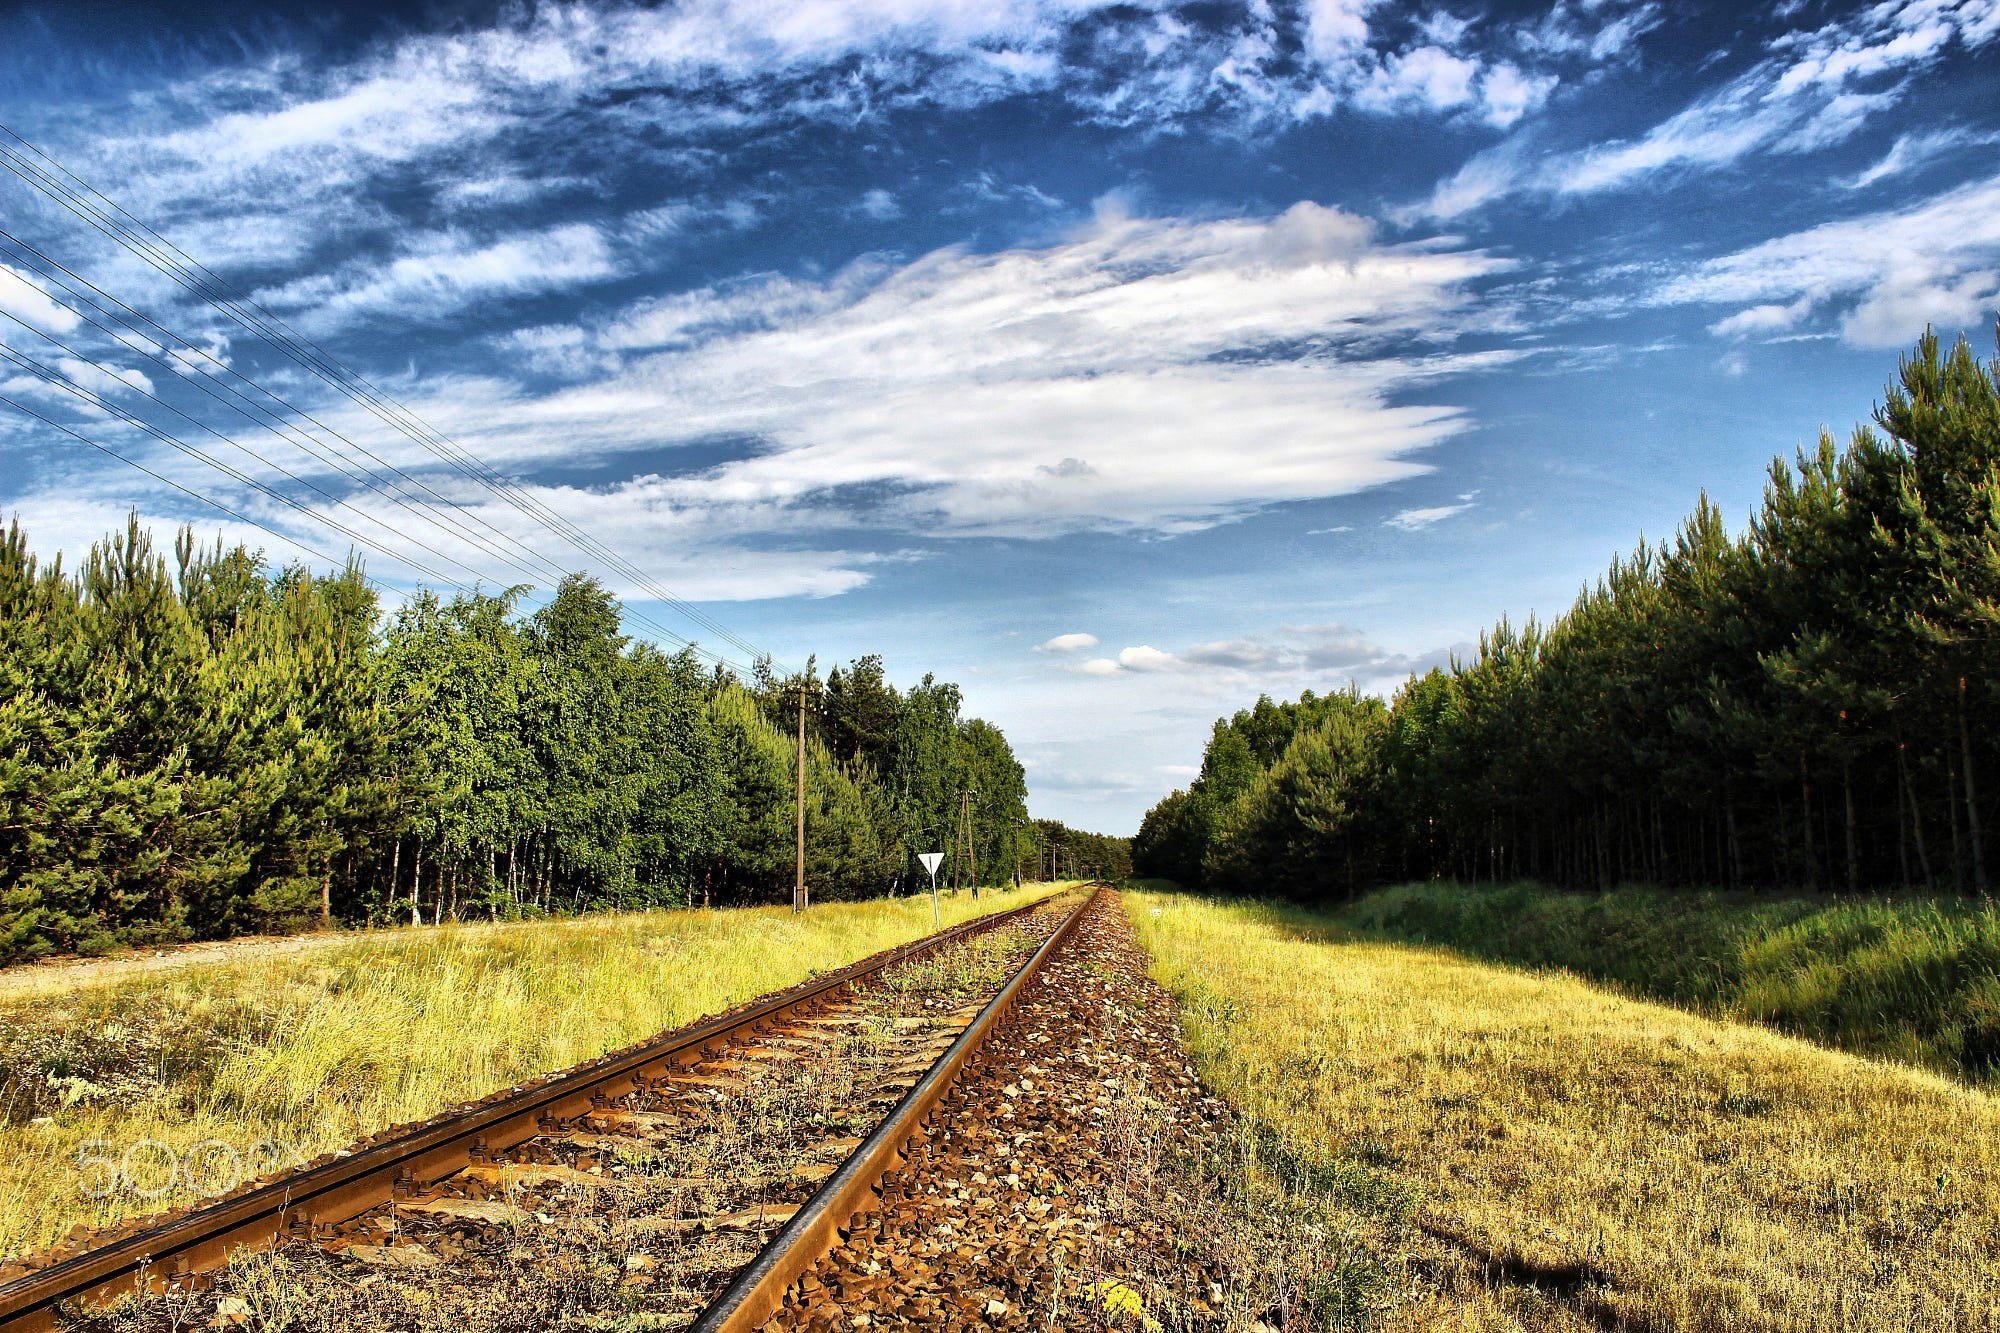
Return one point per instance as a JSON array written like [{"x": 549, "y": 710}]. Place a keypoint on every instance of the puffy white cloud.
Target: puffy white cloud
[
  {"x": 1506, "y": 93},
  {"x": 1145, "y": 657},
  {"x": 880, "y": 205},
  {"x": 105, "y": 380},
  {"x": 1762, "y": 319},
  {"x": 1336, "y": 30},
  {"x": 1067, "y": 643},
  {"x": 1426, "y": 77}
]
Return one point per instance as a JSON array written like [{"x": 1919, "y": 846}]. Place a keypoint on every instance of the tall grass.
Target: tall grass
[
  {"x": 1531, "y": 1151},
  {"x": 1914, "y": 979},
  {"x": 286, "y": 1057}
]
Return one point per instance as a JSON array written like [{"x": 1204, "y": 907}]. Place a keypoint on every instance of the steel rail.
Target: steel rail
[
  {"x": 155, "y": 1253},
  {"x": 758, "y": 1290}
]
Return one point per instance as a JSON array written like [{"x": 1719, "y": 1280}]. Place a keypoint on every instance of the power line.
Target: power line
[
  {"x": 235, "y": 400},
  {"x": 53, "y": 424},
  {"x": 90, "y": 397},
  {"x": 55, "y": 379},
  {"x": 290, "y": 344},
  {"x": 317, "y": 489},
  {"x": 193, "y": 276}
]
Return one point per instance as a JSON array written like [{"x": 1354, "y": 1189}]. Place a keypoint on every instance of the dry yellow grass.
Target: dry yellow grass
[
  {"x": 1492, "y": 1130},
  {"x": 112, "y": 1086}
]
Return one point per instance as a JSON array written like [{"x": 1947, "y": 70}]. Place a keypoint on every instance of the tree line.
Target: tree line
[
  {"x": 202, "y": 745},
  {"x": 1809, "y": 702}
]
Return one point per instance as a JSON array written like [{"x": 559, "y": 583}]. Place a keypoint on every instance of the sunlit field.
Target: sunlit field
[
  {"x": 125, "y": 1097},
  {"x": 1528, "y": 1150}
]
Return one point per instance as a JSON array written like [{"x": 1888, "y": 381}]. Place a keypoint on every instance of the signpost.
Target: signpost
[{"x": 931, "y": 861}]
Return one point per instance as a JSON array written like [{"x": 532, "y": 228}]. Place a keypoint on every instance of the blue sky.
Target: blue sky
[{"x": 1117, "y": 361}]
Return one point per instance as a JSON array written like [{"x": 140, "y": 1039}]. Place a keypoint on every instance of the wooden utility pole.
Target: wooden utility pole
[{"x": 966, "y": 855}]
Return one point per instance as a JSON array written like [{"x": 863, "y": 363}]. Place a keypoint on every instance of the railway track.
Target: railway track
[{"x": 874, "y": 1047}]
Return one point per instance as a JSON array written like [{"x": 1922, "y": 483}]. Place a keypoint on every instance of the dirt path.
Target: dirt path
[{"x": 66, "y": 974}]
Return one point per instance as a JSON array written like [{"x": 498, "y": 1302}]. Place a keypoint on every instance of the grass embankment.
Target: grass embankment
[
  {"x": 1527, "y": 1150},
  {"x": 1913, "y": 978},
  {"x": 150, "y": 1092}
]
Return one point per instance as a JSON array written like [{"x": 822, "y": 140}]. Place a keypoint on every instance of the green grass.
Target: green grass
[
  {"x": 1526, "y": 1150},
  {"x": 173, "y": 1077},
  {"x": 1914, "y": 979}
]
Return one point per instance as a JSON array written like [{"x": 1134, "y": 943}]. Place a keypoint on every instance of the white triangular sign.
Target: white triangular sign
[{"x": 930, "y": 860}]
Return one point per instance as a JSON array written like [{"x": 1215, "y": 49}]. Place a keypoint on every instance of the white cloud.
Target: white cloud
[
  {"x": 1289, "y": 658},
  {"x": 1336, "y": 30},
  {"x": 104, "y": 380},
  {"x": 1426, "y": 78},
  {"x": 25, "y": 299},
  {"x": 1145, "y": 657},
  {"x": 441, "y": 274},
  {"x": 1413, "y": 520},
  {"x": 1935, "y": 262},
  {"x": 1592, "y": 29},
  {"x": 1067, "y": 643},
  {"x": 1507, "y": 94},
  {"x": 1911, "y": 152},
  {"x": 1762, "y": 319},
  {"x": 1118, "y": 379},
  {"x": 881, "y": 205},
  {"x": 1799, "y": 99}
]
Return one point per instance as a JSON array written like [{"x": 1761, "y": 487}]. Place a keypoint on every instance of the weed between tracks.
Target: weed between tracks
[
  {"x": 126, "y": 1098},
  {"x": 1530, "y": 1151},
  {"x": 648, "y": 1246}
]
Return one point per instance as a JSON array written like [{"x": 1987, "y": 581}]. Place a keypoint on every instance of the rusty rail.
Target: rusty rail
[
  {"x": 155, "y": 1253},
  {"x": 758, "y": 1291}
]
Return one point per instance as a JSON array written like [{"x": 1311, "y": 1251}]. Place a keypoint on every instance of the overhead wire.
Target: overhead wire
[
  {"x": 91, "y": 398},
  {"x": 557, "y": 572},
  {"x": 88, "y": 309},
  {"x": 189, "y": 273},
  {"x": 57, "y": 380},
  {"x": 189, "y": 491},
  {"x": 233, "y": 443}
]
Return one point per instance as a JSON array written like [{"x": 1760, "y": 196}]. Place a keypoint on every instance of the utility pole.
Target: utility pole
[
  {"x": 966, "y": 854},
  {"x": 800, "y": 900}
]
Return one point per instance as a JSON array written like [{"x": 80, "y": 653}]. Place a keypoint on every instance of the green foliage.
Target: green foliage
[
  {"x": 215, "y": 747},
  {"x": 1062, "y": 852},
  {"x": 1916, "y": 979},
  {"x": 1812, "y": 703}
]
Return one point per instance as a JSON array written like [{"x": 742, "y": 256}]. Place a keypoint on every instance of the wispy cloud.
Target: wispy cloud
[
  {"x": 1414, "y": 520},
  {"x": 1067, "y": 643},
  {"x": 1912, "y": 152},
  {"x": 1292, "y": 656},
  {"x": 439, "y": 275},
  {"x": 1886, "y": 274},
  {"x": 1158, "y": 374},
  {"x": 1801, "y": 97}
]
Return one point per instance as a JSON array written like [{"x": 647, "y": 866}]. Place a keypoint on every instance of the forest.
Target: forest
[
  {"x": 202, "y": 745},
  {"x": 1807, "y": 703}
]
